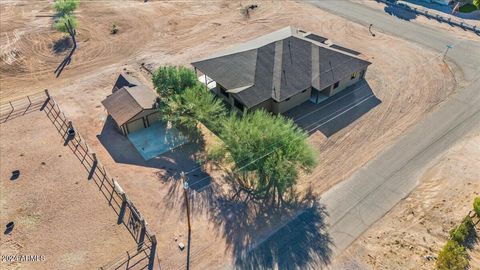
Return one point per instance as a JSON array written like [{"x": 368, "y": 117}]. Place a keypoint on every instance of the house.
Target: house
[
  {"x": 131, "y": 105},
  {"x": 281, "y": 70}
]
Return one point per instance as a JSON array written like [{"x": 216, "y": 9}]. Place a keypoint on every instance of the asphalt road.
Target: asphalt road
[{"x": 356, "y": 203}]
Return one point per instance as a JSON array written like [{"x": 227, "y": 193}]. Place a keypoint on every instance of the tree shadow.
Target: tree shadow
[
  {"x": 261, "y": 234},
  {"x": 61, "y": 45}
]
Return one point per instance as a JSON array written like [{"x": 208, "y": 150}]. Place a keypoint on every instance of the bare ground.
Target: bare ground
[
  {"x": 157, "y": 33},
  {"x": 57, "y": 212},
  {"x": 419, "y": 225}
]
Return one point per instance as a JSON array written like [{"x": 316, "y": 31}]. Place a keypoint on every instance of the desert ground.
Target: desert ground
[
  {"x": 418, "y": 226},
  {"x": 58, "y": 213},
  {"x": 409, "y": 80}
]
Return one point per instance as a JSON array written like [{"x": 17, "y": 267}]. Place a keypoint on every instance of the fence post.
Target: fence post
[
  {"x": 123, "y": 208},
  {"x": 153, "y": 248},
  {"x": 142, "y": 233}
]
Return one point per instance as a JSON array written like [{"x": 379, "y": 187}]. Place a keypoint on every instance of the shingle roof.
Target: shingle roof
[
  {"x": 278, "y": 66},
  {"x": 127, "y": 102}
]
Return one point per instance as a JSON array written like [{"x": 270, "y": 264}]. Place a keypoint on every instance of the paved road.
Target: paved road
[{"x": 356, "y": 203}]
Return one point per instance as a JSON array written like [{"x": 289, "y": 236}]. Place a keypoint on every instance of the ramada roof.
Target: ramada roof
[
  {"x": 279, "y": 65},
  {"x": 127, "y": 102}
]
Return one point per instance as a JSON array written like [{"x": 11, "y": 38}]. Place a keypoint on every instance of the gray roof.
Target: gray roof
[
  {"x": 279, "y": 65},
  {"x": 127, "y": 102}
]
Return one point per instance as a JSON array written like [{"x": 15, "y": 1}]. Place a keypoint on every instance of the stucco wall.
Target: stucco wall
[
  {"x": 346, "y": 83},
  {"x": 294, "y": 101}
]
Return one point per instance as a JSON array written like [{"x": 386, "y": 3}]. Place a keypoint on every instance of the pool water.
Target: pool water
[{"x": 156, "y": 139}]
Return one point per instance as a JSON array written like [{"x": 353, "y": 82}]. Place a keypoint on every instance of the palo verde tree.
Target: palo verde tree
[
  {"x": 65, "y": 7},
  {"x": 477, "y": 3},
  {"x": 184, "y": 101},
  {"x": 194, "y": 104},
  {"x": 268, "y": 152},
  {"x": 171, "y": 80},
  {"x": 476, "y": 206}
]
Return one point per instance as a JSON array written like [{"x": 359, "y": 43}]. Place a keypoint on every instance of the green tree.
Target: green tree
[
  {"x": 268, "y": 153},
  {"x": 459, "y": 233},
  {"x": 60, "y": 24},
  {"x": 193, "y": 105},
  {"x": 476, "y": 206},
  {"x": 477, "y": 3},
  {"x": 65, "y": 7},
  {"x": 452, "y": 257},
  {"x": 171, "y": 80}
]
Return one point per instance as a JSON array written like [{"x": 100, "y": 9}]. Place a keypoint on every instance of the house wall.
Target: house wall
[
  {"x": 143, "y": 120},
  {"x": 281, "y": 107},
  {"x": 347, "y": 82},
  {"x": 266, "y": 105}
]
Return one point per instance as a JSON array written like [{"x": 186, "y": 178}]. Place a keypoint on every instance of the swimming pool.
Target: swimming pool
[{"x": 156, "y": 139}]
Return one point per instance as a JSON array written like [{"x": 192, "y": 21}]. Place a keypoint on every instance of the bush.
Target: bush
[
  {"x": 60, "y": 23},
  {"x": 460, "y": 232},
  {"x": 452, "y": 257},
  {"x": 65, "y": 7},
  {"x": 476, "y": 206}
]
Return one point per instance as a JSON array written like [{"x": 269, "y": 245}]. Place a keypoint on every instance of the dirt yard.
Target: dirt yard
[
  {"x": 418, "y": 226},
  {"x": 157, "y": 33},
  {"x": 58, "y": 213}
]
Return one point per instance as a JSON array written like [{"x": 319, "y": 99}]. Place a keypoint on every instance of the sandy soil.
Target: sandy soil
[
  {"x": 58, "y": 214},
  {"x": 158, "y": 33},
  {"x": 419, "y": 225}
]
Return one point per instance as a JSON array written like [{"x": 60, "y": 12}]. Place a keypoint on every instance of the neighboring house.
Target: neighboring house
[
  {"x": 281, "y": 70},
  {"x": 131, "y": 105}
]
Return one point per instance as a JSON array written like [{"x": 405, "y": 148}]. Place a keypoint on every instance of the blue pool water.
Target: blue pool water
[{"x": 156, "y": 140}]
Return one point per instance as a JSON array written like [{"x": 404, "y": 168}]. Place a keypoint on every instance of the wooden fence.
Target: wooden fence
[
  {"x": 128, "y": 214},
  {"x": 18, "y": 107}
]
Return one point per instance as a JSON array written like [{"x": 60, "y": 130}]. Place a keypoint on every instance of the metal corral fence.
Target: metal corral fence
[
  {"x": 432, "y": 15},
  {"x": 144, "y": 254},
  {"x": 12, "y": 109}
]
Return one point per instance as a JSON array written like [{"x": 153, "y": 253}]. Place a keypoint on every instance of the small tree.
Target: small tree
[
  {"x": 477, "y": 3},
  {"x": 452, "y": 257},
  {"x": 171, "y": 80},
  {"x": 65, "y": 7},
  {"x": 476, "y": 206},
  {"x": 267, "y": 151},
  {"x": 60, "y": 24}
]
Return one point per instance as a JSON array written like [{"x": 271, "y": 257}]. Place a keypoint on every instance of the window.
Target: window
[
  {"x": 238, "y": 104},
  {"x": 336, "y": 85},
  {"x": 354, "y": 75}
]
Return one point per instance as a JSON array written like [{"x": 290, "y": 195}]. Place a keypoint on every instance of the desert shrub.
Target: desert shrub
[
  {"x": 476, "y": 206},
  {"x": 65, "y": 7},
  {"x": 268, "y": 152},
  {"x": 60, "y": 24},
  {"x": 452, "y": 257},
  {"x": 459, "y": 233}
]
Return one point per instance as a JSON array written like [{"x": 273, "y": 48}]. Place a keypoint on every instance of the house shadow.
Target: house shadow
[
  {"x": 336, "y": 112},
  {"x": 399, "y": 12},
  {"x": 171, "y": 163}
]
